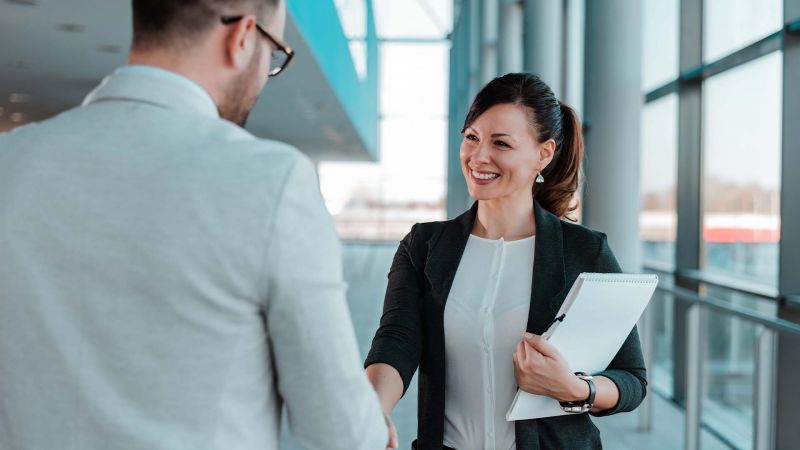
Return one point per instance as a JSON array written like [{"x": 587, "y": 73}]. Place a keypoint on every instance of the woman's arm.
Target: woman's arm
[
  {"x": 540, "y": 369},
  {"x": 387, "y": 383},
  {"x": 398, "y": 341},
  {"x": 397, "y": 345}
]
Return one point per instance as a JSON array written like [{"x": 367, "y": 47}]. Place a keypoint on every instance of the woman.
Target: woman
[{"x": 468, "y": 298}]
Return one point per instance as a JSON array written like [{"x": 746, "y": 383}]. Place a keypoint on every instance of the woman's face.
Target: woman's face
[{"x": 500, "y": 155}]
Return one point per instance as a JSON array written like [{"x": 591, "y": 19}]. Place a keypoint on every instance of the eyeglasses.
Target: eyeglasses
[{"x": 280, "y": 58}]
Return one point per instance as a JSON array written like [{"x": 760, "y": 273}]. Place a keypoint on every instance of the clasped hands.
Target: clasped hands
[{"x": 540, "y": 369}]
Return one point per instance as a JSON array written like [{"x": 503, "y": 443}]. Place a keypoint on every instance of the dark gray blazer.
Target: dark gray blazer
[{"x": 411, "y": 332}]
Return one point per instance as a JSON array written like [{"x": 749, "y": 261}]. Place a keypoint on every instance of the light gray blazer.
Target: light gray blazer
[{"x": 169, "y": 281}]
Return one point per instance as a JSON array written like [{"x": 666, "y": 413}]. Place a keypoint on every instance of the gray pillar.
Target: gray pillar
[
  {"x": 473, "y": 24},
  {"x": 544, "y": 41},
  {"x": 488, "y": 41},
  {"x": 613, "y": 113},
  {"x": 786, "y": 429},
  {"x": 689, "y": 229},
  {"x": 463, "y": 58},
  {"x": 573, "y": 54},
  {"x": 509, "y": 39}
]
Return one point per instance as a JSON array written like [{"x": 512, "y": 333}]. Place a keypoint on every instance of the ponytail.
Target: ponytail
[{"x": 563, "y": 175}]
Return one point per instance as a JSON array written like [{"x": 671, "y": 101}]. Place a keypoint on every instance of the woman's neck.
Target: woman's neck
[{"x": 507, "y": 218}]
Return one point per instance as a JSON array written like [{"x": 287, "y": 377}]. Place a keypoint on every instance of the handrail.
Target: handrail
[
  {"x": 730, "y": 283},
  {"x": 720, "y": 281},
  {"x": 689, "y": 296}
]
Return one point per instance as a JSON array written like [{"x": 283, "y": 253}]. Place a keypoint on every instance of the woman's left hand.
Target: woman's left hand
[{"x": 540, "y": 369}]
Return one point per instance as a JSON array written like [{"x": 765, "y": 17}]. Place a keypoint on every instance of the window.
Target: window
[
  {"x": 733, "y": 24},
  {"x": 658, "y": 219},
  {"x": 660, "y": 43},
  {"x": 741, "y": 171},
  {"x": 381, "y": 201}
]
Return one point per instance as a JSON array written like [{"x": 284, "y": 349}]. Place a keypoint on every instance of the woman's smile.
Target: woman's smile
[{"x": 483, "y": 178}]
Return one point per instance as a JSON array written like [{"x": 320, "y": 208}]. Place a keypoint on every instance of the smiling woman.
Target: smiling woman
[
  {"x": 467, "y": 297},
  {"x": 518, "y": 132}
]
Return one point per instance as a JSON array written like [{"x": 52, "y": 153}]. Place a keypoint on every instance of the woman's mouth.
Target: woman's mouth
[{"x": 483, "y": 178}]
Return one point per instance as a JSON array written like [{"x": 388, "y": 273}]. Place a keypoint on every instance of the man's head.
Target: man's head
[{"x": 231, "y": 59}]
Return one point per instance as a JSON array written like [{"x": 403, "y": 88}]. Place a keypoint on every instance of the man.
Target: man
[{"x": 167, "y": 280}]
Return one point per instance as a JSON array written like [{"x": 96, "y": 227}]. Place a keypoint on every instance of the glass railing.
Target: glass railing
[{"x": 730, "y": 342}]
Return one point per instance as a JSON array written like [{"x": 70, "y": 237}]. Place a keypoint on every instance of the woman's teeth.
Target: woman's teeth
[{"x": 484, "y": 176}]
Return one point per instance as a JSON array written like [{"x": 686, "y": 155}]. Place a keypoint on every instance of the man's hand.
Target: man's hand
[
  {"x": 540, "y": 369},
  {"x": 394, "y": 442}
]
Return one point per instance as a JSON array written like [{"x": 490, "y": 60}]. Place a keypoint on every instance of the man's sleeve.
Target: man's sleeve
[{"x": 330, "y": 403}]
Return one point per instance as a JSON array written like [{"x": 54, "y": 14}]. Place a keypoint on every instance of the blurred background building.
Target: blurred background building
[{"x": 690, "y": 109}]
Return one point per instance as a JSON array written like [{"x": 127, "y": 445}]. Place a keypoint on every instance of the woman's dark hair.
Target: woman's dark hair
[{"x": 551, "y": 119}]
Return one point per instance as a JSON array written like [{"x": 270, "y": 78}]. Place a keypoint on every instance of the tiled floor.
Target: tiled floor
[{"x": 366, "y": 267}]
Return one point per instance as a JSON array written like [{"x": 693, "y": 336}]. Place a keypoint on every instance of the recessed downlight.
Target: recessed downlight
[
  {"x": 71, "y": 27},
  {"x": 110, "y": 48},
  {"x": 19, "y": 98},
  {"x": 17, "y": 117},
  {"x": 22, "y": 2}
]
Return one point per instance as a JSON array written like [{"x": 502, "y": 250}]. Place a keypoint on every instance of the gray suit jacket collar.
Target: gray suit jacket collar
[{"x": 155, "y": 86}]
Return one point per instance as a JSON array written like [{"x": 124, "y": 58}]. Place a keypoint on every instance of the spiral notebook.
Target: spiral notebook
[{"x": 599, "y": 313}]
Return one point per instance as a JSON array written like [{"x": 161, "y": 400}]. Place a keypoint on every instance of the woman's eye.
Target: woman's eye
[
  {"x": 471, "y": 137},
  {"x": 501, "y": 144}
]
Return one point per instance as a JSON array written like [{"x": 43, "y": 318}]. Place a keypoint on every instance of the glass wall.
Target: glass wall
[
  {"x": 735, "y": 131},
  {"x": 658, "y": 220},
  {"x": 729, "y": 25},
  {"x": 741, "y": 170},
  {"x": 381, "y": 201}
]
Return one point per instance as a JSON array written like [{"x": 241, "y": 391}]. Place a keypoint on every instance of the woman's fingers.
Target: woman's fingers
[
  {"x": 541, "y": 345},
  {"x": 530, "y": 353},
  {"x": 519, "y": 354},
  {"x": 394, "y": 441}
]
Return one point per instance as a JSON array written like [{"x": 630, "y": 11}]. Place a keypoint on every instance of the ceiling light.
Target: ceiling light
[
  {"x": 110, "y": 48},
  {"x": 17, "y": 117},
  {"x": 19, "y": 98},
  {"x": 71, "y": 27}
]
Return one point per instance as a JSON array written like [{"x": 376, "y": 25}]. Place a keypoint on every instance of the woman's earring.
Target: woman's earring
[{"x": 539, "y": 177}]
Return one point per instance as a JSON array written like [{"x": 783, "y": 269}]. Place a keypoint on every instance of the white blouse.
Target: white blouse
[{"x": 484, "y": 318}]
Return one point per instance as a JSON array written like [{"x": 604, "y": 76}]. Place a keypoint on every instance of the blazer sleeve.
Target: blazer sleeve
[
  {"x": 329, "y": 400},
  {"x": 627, "y": 369},
  {"x": 398, "y": 341}
]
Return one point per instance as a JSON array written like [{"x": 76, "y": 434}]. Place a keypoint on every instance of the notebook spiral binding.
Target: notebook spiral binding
[{"x": 620, "y": 278}]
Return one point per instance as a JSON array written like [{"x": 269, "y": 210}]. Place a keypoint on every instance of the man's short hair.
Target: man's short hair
[{"x": 179, "y": 23}]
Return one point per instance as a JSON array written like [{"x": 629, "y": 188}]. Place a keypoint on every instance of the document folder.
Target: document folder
[{"x": 599, "y": 313}]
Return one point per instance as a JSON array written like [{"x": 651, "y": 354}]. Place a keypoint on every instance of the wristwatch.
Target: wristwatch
[{"x": 581, "y": 406}]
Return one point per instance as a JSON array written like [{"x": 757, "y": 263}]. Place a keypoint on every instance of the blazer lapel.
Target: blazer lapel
[
  {"x": 549, "y": 278},
  {"x": 444, "y": 254}
]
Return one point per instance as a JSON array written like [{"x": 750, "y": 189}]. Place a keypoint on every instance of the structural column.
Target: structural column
[
  {"x": 489, "y": 40},
  {"x": 509, "y": 39},
  {"x": 613, "y": 115},
  {"x": 544, "y": 40},
  {"x": 464, "y": 81},
  {"x": 787, "y": 432}
]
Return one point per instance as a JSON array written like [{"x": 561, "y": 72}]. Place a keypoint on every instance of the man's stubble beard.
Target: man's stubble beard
[{"x": 242, "y": 94}]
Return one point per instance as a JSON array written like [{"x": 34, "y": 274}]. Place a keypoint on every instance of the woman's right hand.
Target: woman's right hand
[
  {"x": 394, "y": 441},
  {"x": 389, "y": 386}
]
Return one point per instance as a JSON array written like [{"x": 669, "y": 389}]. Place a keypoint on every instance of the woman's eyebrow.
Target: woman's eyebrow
[{"x": 501, "y": 135}]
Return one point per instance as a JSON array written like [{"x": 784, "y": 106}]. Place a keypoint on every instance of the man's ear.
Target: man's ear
[{"x": 239, "y": 42}]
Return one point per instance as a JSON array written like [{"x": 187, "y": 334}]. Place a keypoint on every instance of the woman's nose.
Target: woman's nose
[{"x": 481, "y": 153}]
